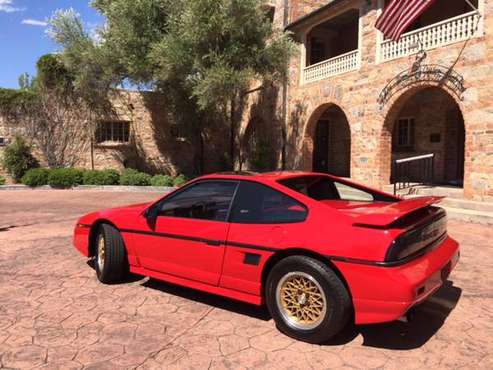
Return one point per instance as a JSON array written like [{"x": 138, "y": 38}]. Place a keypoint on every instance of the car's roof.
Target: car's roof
[{"x": 255, "y": 176}]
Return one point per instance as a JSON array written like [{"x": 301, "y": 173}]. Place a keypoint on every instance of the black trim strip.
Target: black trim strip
[
  {"x": 251, "y": 246},
  {"x": 175, "y": 236},
  {"x": 400, "y": 262},
  {"x": 272, "y": 250}
]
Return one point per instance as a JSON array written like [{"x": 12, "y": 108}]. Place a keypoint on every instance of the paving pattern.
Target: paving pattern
[{"x": 55, "y": 315}]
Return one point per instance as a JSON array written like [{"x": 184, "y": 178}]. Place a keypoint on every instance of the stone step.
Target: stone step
[
  {"x": 468, "y": 215},
  {"x": 422, "y": 190},
  {"x": 465, "y": 210}
]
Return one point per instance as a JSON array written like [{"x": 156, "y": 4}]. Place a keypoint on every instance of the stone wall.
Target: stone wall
[{"x": 356, "y": 93}]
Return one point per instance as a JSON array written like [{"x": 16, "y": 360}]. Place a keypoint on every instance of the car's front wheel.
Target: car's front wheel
[
  {"x": 110, "y": 255},
  {"x": 307, "y": 299}
]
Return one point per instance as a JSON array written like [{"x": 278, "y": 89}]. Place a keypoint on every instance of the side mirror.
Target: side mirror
[{"x": 151, "y": 216}]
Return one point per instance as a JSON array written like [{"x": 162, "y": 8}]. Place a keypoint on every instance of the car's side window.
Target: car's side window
[
  {"x": 259, "y": 204},
  {"x": 352, "y": 194},
  {"x": 208, "y": 200}
]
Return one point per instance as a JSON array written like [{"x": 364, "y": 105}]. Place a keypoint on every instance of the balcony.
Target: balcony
[
  {"x": 331, "y": 67},
  {"x": 449, "y": 31},
  {"x": 332, "y": 47}
]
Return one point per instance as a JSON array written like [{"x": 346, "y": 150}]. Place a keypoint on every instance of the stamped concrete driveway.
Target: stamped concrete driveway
[{"x": 55, "y": 315}]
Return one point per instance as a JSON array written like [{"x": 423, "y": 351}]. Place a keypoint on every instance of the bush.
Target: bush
[
  {"x": 179, "y": 180},
  {"x": 105, "y": 177},
  {"x": 18, "y": 159},
  {"x": 65, "y": 177},
  {"x": 2, "y": 180},
  {"x": 162, "y": 180},
  {"x": 133, "y": 177},
  {"x": 36, "y": 177}
]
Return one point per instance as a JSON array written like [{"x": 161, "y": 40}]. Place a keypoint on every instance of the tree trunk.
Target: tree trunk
[
  {"x": 199, "y": 156},
  {"x": 232, "y": 134}
]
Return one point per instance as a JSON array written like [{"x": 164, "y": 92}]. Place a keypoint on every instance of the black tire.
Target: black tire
[
  {"x": 330, "y": 321},
  {"x": 113, "y": 267}
]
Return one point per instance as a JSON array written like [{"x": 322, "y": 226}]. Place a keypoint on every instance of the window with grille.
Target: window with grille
[
  {"x": 404, "y": 134},
  {"x": 113, "y": 131}
]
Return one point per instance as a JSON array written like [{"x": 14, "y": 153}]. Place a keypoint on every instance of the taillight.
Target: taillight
[{"x": 419, "y": 240}]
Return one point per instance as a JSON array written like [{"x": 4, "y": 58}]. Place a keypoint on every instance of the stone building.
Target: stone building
[
  {"x": 354, "y": 104},
  {"x": 139, "y": 133},
  {"x": 357, "y": 102}
]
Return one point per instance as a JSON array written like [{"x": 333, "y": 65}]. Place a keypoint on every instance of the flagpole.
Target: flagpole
[{"x": 471, "y": 5}]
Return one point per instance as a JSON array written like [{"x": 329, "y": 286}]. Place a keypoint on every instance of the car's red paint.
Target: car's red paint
[{"x": 352, "y": 236}]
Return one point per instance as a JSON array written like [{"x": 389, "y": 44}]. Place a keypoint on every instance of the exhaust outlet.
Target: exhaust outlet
[{"x": 408, "y": 317}]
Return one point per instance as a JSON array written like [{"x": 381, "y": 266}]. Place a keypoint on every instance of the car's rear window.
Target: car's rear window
[{"x": 323, "y": 188}]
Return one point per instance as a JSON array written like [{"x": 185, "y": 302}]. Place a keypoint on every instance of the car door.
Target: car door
[
  {"x": 190, "y": 232},
  {"x": 263, "y": 220}
]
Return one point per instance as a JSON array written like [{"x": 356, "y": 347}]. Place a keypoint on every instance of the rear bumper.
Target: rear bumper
[{"x": 382, "y": 294}]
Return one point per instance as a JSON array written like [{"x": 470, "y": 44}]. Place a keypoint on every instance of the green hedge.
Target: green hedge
[
  {"x": 131, "y": 177},
  {"x": 179, "y": 180},
  {"x": 65, "y": 177},
  {"x": 18, "y": 159},
  {"x": 162, "y": 180},
  {"x": 70, "y": 177},
  {"x": 2, "y": 180},
  {"x": 36, "y": 177},
  {"x": 104, "y": 177}
]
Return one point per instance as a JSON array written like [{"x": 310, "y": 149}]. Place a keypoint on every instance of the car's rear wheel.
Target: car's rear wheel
[
  {"x": 307, "y": 299},
  {"x": 111, "y": 260}
]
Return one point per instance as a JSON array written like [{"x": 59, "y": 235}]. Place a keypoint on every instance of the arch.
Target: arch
[
  {"x": 327, "y": 141},
  {"x": 259, "y": 145},
  {"x": 442, "y": 132}
]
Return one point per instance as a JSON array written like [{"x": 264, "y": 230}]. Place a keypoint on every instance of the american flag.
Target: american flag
[{"x": 399, "y": 15}]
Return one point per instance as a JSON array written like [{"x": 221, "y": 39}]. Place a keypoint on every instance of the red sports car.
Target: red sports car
[{"x": 317, "y": 249}]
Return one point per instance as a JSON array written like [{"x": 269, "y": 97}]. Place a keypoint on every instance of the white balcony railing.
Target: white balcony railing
[
  {"x": 438, "y": 34},
  {"x": 331, "y": 67}
]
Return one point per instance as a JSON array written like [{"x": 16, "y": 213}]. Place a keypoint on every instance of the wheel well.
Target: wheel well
[
  {"x": 278, "y": 256},
  {"x": 93, "y": 233}
]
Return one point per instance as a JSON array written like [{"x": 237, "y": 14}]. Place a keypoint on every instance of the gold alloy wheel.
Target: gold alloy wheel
[
  {"x": 301, "y": 300},
  {"x": 101, "y": 252}
]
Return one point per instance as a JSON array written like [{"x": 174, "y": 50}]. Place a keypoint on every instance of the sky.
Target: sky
[{"x": 22, "y": 33}]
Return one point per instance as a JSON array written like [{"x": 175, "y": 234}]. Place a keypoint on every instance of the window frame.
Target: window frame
[
  {"x": 191, "y": 185},
  {"x": 126, "y": 126},
  {"x": 411, "y": 131},
  {"x": 303, "y": 205},
  {"x": 378, "y": 196}
]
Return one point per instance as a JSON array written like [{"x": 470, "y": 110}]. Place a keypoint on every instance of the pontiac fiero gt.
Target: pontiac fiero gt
[{"x": 316, "y": 249}]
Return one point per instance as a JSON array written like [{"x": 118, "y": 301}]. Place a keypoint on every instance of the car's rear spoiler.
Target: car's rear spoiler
[{"x": 386, "y": 215}]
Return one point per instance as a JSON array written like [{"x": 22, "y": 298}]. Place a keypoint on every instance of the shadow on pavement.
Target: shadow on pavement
[
  {"x": 210, "y": 299},
  {"x": 429, "y": 317}
]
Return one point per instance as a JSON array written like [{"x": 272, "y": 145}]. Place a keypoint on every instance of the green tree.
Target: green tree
[
  {"x": 202, "y": 54},
  {"x": 50, "y": 113},
  {"x": 216, "y": 49}
]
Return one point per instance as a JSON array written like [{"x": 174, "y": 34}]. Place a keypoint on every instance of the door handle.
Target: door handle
[{"x": 215, "y": 243}]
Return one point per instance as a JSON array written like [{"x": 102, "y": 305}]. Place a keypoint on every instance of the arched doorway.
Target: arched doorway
[
  {"x": 427, "y": 121},
  {"x": 332, "y": 143},
  {"x": 260, "y": 146}
]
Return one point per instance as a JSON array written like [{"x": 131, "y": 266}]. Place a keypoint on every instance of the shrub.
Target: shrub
[
  {"x": 179, "y": 180},
  {"x": 65, "y": 177},
  {"x": 18, "y": 159},
  {"x": 133, "y": 177},
  {"x": 36, "y": 177},
  {"x": 2, "y": 180},
  {"x": 105, "y": 177},
  {"x": 162, "y": 180}
]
